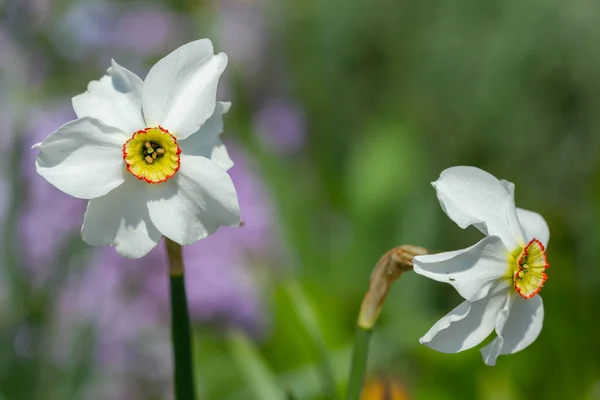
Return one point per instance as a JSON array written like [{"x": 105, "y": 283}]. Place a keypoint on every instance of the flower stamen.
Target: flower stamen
[{"x": 152, "y": 151}]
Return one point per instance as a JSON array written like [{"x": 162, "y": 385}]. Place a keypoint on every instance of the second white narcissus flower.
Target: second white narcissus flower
[
  {"x": 147, "y": 154},
  {"x": 499, "y": 277}
]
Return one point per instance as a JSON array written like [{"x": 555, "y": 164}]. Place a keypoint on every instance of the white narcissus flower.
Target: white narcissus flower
[
  {"x": 147, "y": 154},
  {"x": 499, "y": 277}
]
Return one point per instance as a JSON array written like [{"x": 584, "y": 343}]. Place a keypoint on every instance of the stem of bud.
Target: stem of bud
[{"x": 386, "y": 271}]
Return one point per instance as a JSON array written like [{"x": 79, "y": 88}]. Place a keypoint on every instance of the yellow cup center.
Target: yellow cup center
[
  {"x": 528, "y": 269},
  {"x": 152, "y": 155}
]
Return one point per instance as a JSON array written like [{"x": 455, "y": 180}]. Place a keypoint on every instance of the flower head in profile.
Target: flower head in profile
[
  {"x": 499, "y": 277},
  {"x": 147, "y": 154}
]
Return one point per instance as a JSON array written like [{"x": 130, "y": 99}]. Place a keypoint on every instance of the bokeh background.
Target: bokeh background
[{"x": 343, "y": 112}]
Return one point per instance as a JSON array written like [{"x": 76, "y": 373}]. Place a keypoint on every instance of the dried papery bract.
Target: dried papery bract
[
  {"x": 175, "y": 258},
  {"x": 386, "y": 271},
  {"x": 389, "y": 268}
]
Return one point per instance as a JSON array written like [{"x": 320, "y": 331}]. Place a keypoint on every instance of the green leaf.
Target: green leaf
[{"x": 250, "y": 363}]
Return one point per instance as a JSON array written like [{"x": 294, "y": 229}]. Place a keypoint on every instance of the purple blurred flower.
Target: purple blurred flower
[
  {"x": 280, "y": 126},
  {"x": 11, "y": 109},
  {"x": 7, "y": 47},
  {"x": 40, "y": 10},
  {"x": 12, "y": 90},
  {"x": 220, "y": 285},
  {"x": 113, "y": 296},
  {"x": 5, "y": 193},
  {"x": 85, "y": 28},
  {"x": 48, "y": 217},
  {"x": 97, "y": 26},
  {"x": 242, "y": 34},
  {"x": 146, "y": 31}
]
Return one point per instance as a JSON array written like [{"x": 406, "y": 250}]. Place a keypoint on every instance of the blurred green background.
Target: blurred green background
[{"x": 345, "y": 111}]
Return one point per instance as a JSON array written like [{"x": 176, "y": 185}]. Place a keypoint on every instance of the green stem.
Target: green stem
[
  {"x": 360, "y": 356},
  {"x": 180, "y": 326}
]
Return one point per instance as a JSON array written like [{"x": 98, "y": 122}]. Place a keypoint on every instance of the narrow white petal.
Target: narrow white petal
[
  {"x": 472, "y": 271},
  {"x": 220, "y": 155},
  {"x": 466, "y": 326},
  {"x": 83, "y": 158},
  {"x": 194, "y": 203},
  {"x": 534, "y": 226},
  {"x": 509, "y": 186},
  {"x": 206, "y": 142},
  {"x": 121, "y": 219},
  {"x": 115, "y": 99},
  {"x": 491, "y": 351},
  {"x": 524, "y": 323},
  {"x": 471, "y": 196},
  {"x": 518, "y": 325},
  {"x": 212, "y": 128},
  {"x": 180, "y": 90}
]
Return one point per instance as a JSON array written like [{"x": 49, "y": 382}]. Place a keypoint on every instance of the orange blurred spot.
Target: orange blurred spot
[{"x": 384, "y": 389}]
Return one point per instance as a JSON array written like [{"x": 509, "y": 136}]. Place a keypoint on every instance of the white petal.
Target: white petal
[
  {"x": 220, "y": 155},
  {"x": 121, "y": 219},
  {"x": 518, "y": 325},
  {"x": 524, "y": 323},
  {"x": 466, "y": 326},
  {"x": 471, "y": 196},
  {"x": 116, "y": 100},
  {"x": 491, "y": 351},
  {"x": 534, "y": 226},
  {"x": 195, "y": 202},
  {"x": 212, "y": 128},
  {"x": 83, "y": 158},
  {"x": 508, "y": 185},
  {"x": 180, "y": 90},
  {"x": 472, "y": 271},
  {"x": 206, "y": 142}
]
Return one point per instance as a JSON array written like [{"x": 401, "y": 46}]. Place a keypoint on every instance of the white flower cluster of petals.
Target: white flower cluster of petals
[
  {"x": 483, "y": 273},
  {"x": 85, "y": 157}
]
